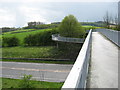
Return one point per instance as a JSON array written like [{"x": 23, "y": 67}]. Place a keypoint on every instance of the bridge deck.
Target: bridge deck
[{"x": 104, "y": 63}]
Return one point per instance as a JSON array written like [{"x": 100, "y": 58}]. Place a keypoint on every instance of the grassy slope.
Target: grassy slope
[
  {"x": 34, "y": 52},
  {"x": 20, "y": 30},
  {"x": 30, "y": 52},
  {"x": 21, "y": 34},
  {"x": 8, "y": 83}
]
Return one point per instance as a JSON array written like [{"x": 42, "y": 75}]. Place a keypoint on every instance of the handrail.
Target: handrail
[
  {"x": 111, "y": 34},
  {"x": 57, "y": 37},
  {"x": 78, "y": 74}
]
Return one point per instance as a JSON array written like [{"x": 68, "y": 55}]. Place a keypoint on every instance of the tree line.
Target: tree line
[{"x": 109, "y": 20}]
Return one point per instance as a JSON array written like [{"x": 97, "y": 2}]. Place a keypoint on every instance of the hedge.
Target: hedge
[
  {"x": 40, "y": 39},
  {"x": 10, "y": 41}
]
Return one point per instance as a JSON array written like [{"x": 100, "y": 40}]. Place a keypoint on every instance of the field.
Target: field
[
  {"x": 13, "y": 83},
  {"x": 87, "y": 27},
  {"x": 21, "y": 34}
]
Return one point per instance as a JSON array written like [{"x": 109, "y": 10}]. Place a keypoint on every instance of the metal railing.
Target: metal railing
[
  {"x": 57, "y": 37},
  {"x": 78, "y": 74},
  {"x": 113, "y": 35}
]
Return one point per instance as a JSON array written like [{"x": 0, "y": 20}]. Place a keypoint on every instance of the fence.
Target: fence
[
  {"x": 78, "y": 74},
  {"x": 111, "y": 34},
  {"x": 57, "y": 37}
]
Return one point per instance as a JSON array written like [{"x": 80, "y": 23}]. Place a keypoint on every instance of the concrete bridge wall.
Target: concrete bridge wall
[
  {"x": 78, "y": 74},
  {"x": 111, "y": 34}
]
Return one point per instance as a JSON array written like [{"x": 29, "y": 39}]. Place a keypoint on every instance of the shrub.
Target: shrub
[
  {"x": 10, "y": 41},
  {"x": 4, "y": 41},
  {"x": 26, "y": 83},
  {"x": 30, "y": 40},
  {"x": 40, "y": 39},
  {"x": 46, "y": 38}
]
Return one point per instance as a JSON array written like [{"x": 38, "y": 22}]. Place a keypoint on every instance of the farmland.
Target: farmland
[
  {"x": 21, "y": 34},
  {"x": 37, "y": 51}
]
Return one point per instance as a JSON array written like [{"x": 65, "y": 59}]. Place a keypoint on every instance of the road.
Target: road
[
  {"x": 104, "y": 63},
  {"x": 39, "y": 71}
]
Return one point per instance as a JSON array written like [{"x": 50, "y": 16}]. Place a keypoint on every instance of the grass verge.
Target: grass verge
[
  {"x": 33, "y": 52},
  {"x": 39, "y": 52},
  {"x": 36, "y": 61},
  {"x": 14, "y": 83},
  {"x": 30, "y": 52}
]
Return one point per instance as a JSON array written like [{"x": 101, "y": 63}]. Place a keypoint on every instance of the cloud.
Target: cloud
[
  {"x": 7, "y": 18},
  {"x": 26, "y": 1},
  {"x": 32, "y": 14},
  {"x": 39, "y": 14},
  {"x": 18, "y": 14}
]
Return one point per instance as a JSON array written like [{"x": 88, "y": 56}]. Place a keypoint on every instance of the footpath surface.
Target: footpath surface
[{"x": 104, "y": 63}]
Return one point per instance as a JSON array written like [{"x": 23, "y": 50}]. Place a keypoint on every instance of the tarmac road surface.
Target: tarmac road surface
[{"x": 39, "y": 71}]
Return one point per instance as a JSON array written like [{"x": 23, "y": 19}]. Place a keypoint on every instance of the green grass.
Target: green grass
[
  {"x": 13, "y": 83},
  {"x": 30, "y": 52},
  {"x": 0, "y": 83},
  {"x": 18, "y": 31},
  {"x": 87, "y": 26},
  {"x": 34, "y": 52},
  {"x": 23, "y": 33}
]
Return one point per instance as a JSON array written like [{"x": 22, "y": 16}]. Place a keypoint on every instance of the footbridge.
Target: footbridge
[
  {"x": 57, "y": 37},
  {"x": 97, "y": 63}
]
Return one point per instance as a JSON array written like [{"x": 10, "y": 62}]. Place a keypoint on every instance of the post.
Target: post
[
  {"x": 57, "y": 44},
  {"x": 119, "y": 13}
]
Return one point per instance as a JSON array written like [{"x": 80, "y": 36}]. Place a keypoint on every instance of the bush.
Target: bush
[
  {"x": 26, "y": 83},
  {"x": 4, "y": 42},
  {"x": 46, "y": 38},
  {"x": 30, "y": 40},
  {"x": 10, "y": 41},
  {"x": 40, "y": 39}
]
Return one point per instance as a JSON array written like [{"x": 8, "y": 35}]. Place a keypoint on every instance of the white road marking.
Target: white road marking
[
  {"x": 34, "y": 69},
  {"x": 37, "y": 63}
]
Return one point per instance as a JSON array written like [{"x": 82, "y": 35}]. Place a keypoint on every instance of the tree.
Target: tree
[
  {"x": 116, "y": 22},
  {"x": 119, "y": 16},
  {"x": 70, "y": 27},
  {"x": 107, "y": 20}
]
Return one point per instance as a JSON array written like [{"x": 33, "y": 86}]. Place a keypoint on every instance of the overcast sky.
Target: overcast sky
[{"x": 16, "y": 13}]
